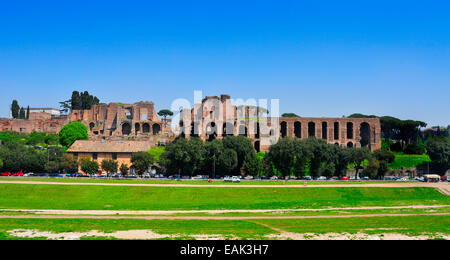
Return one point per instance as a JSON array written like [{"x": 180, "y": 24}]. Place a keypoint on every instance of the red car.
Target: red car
[
  {"x": 344, "y": 178},
  {"x": 18, "y": 174},
  {"x": 5, "y": 174}
]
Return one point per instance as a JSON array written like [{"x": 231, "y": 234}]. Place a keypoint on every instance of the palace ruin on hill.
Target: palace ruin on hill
[{"x": 214, "y": 118}]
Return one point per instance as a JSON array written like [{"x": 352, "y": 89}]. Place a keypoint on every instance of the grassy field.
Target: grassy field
[
  {"x": 411, "y": 225},
  {"x": 30, "y": 196},
  {"x": 189, "y": 182},
  {"x": 79, "y": 197},
  {"x": 231, "y": 229}
]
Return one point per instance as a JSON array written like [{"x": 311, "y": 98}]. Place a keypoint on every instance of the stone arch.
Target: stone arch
[
  {"x": 137, "y": 128},
  {"x": 258, "y": 146},
  {"x": 350, "y": 134},
  {"x": 243, "y": 130},
  {"x": 156, "y": 128},
  {"x": 283, "y": 130},
  {"x": 336, "y": 131},
  {"x": 194, "y": 129},
  {"x": 228, "y": 129},
  {"x": 350, "y": 145},
  {"x": 364, "y": 133},
  {"x": 126, "y": 129},
  {"x": 257, "y": 131},
  {"x": 211, "y": 131},
  {"x": 146, "y": 128},
  {"x": 298, "y": 129},
  {"x": 311, "y": 129},
  {"x": 324, "y": 130}
]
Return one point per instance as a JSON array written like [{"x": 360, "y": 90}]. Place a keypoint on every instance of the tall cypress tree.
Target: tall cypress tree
[
  {"x": 22, "y": 113},
  {"x": 75, "y": 102},
  {"x": 15, "y": 109},
  {"x": 28, "y": 112}
]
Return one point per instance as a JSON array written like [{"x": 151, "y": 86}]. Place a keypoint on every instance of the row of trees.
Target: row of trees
[
  {"x": 289, "y": 157},
  {"x": 317, "y": 158},
  {"x": 19, "y": 112},
  {"x": 219, "y": 157},
  {"x": 404, "y": 131},
  {"x": 79, "y": 101}
]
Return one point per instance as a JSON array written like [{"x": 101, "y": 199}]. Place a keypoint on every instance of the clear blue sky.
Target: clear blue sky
[{"x": 320, "y": 58}]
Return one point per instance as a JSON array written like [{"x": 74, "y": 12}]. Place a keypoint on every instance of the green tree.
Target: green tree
[
  {"x": 227, "y": 161},
  {"x": 75, "y": 101},
  {"x": 213, "y": 150},
  {"x": 321, "y": 157},
  {"x": 254, "y": 167},
  {"x": 72, "y": 132},
  {"x": 165, "y": 113},
  {"x": 89, "y": 167},
  {"x": 22, "y": 113},
  {"x": 52, "y": 167},
  {"x": 1, "y": 163},
  {"x": 438, "y": 149},
  {"x": 372, "y": 168},
  {"x": 184, "y": 156},
  {"x": 110, "y": 166},
  {"x": 69, "y": 164},
  {"x": 15, "y": 108},
  {"x": 384, "y": 158},
  {"x": 290, "y": 115},
  {"x": 16, "y": 157},
  {"x": 142, "y": 161},
  {"x": 28, "y": 113},
  {"x": 358, "y": 156},
  {"x": 124, "y": 169},
  {"x": 242, "y": 146}
]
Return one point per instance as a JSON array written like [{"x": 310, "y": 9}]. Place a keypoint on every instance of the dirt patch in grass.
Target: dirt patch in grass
[{"x": 128, "y": 235}]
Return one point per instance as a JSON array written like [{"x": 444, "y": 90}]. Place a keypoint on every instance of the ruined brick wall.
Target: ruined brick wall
[
  {"x": 37, "y": 124},
  {"x": 207, "y": 122},
  {"x": 122, "y": 120},
  {"x": 346, "y": 132}
]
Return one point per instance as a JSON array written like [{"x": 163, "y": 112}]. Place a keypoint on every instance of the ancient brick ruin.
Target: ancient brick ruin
[{"x": 215, "y": 117}]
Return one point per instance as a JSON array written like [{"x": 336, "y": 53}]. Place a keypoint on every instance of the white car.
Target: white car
[
  {"x": 322, "y": 178},
  {"x": 235, "y": 179}
]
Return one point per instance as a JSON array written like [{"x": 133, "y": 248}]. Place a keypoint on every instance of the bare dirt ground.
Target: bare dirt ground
[
  {"x": 281, "y": 235},
  {"x": 172, "y": 212}
]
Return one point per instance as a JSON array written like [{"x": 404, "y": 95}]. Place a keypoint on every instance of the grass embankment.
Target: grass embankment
[
  {"x": 410, "y": 225},
  {"x": 408, "y": 161},
  {"x": 28, "y": 196}
]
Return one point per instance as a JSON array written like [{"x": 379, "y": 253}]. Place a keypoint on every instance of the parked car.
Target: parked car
[
  {"x": 235, "y": 179},
  {"x": 198, "y": 177},
  {"x": 5, "y": 174},
  {"x": 345, "y": 178},
  {"x": 322, "y": 178},
  {"x": 444, "y": 178},
  {"x": 274, "y": 178},
  {"x": 18, "y": 174}
]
